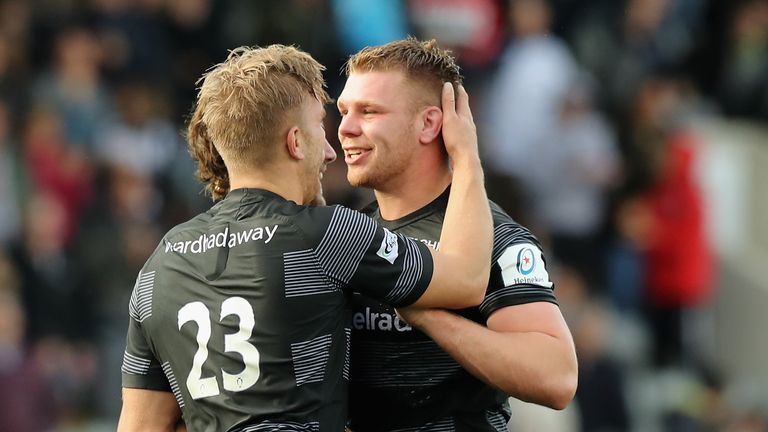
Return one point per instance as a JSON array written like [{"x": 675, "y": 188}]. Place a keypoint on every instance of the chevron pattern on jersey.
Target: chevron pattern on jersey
[
  {"x": 282, "y": 427},
  {"x": 497, "y": 420},
  {"x": 391, "y": 364},
  {"x": 134, "y": 365},
  {"x": 348, "y": 340},
  {"x": 140, "y": 305},
  {"x": 303, "y": 275},
  {"x": 174, "y": 385},
  {"x": 444, "y": 425},
  {"x": 412, "y": 269},
  {"x": 342, "y": 248},
  {"x": 310, "y": 358},
  {"x": 507, "y": 234}
]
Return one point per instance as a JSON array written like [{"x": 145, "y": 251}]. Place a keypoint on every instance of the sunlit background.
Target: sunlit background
[{"x": 629, "y": 135}]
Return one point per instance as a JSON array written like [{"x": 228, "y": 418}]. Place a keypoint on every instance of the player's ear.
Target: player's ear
[
  {"x": 430, "y": 123},
  {"x": 293, "y": 143}
]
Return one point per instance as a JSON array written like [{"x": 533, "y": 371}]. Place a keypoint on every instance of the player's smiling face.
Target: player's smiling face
[{"x": 378, "y": 127}]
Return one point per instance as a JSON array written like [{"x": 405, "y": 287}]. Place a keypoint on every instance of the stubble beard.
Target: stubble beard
[
  {"x": 381, "y": 170},
  {"x": 357, "y": 180},
  {"x": 378, "y": 174},
  {"x": 313, "y": 191}
]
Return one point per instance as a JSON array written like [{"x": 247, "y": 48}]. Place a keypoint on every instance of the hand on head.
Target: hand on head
[{"x": 459, "y": 131}]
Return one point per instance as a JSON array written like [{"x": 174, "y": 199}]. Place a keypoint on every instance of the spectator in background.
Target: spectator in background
[
  {"x": 13, "y": 88},
  {"x": 624, "y": 266},
  {"x": 374, "y": 22},
  {"x": 678, "y": 261},
  {"x": 15, "y": 32},
  {"x": 579, "y": 162},
  {"x": 12, "y": 176},
  {"x": 473, "y": 29},
  {"x": 744, "y": 83},
  {"x": 55, "y": 168},
  {"x": 139, "y": 136},
  {"x": 309, "y": 24},
  {"x": 49, "y": 275},
  {"x": 57, "y": 310},
  {"x": 602, "y": 393},
  {"x": 73, "y": 89},
  {"x": 191, "y": 32},
  {"x": 133, "y": 39},
  {"x": 118, "y": 231},
  {"x": 621, "y": 41},
  {"x": 26, "y": 402},
  {"x": 534, "y": 75}
]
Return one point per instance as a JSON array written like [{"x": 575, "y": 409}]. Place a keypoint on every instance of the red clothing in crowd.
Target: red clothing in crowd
[{"x": 679, "y": 260}]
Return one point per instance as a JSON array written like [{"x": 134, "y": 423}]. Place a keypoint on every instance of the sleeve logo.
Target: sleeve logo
[
  {"x": 388, "y": 248},
  {"x": 526, "y": 261},
  {"x": 523, "y": 264}
]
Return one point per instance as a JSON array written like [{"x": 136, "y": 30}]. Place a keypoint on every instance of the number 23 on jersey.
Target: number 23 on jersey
[{"x": 200, "y": 387}]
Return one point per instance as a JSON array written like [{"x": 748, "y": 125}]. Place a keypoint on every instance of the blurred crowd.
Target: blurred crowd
[{"x": 584, "y": 111}]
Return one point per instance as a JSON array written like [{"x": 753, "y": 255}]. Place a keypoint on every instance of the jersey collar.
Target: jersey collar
[{"x": 438, "y": 204}]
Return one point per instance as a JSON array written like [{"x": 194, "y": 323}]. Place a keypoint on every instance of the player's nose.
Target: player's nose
[
  {"x": 349, "y": 126},
  {"x": 330, "y": 153}
]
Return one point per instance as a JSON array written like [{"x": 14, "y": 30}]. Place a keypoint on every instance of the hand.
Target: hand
[
  {"x": 459, "y": 131},
  {"x": 416, "y": 316}
]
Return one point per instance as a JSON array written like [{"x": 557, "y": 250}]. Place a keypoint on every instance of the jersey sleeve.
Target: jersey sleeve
[
  {"x": 140, "y": 368},
  {"x": 359, "y": 254},
  {"x": 518, "y": 271}
]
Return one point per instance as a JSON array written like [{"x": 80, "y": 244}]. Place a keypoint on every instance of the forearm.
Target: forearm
[
  {"x": 530, "y": 366},
  {"x": 467, "y": 234},
  {"x": 466, "y": 241},
  {"x": 468, "y": 226}
]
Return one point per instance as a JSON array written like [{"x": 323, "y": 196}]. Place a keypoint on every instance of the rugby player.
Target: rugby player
[
  {"x": 437, "y": 370},
  {"x": 239, "y": 319}
]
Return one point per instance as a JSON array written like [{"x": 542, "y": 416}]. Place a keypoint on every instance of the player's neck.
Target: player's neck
[
  {"x": 411, "y": 191},
  {"x": 286, "y": 186}
]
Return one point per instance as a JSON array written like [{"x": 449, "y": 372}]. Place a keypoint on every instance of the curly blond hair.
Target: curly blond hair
[{"x": 242, "y": 107}]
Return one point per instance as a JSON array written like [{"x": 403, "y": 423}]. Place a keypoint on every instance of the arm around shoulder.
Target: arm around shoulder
[{"x": 526, "y": 351}]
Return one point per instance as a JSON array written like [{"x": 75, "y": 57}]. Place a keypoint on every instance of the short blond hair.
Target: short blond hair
[
  {"x": 242, "y": 107},
  {"x": 423, "y": 61}
]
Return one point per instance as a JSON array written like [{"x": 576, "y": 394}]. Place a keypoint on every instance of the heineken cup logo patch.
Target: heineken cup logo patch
[{"x": 388, "y": 248}]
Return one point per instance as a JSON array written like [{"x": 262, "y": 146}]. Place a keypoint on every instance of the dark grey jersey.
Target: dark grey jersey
[
  {"x": 243, "y": 313},
  {"x": 401, "y": 379}
]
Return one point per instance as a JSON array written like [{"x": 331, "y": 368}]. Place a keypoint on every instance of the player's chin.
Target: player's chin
[{"x": 356, "y": 178}]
